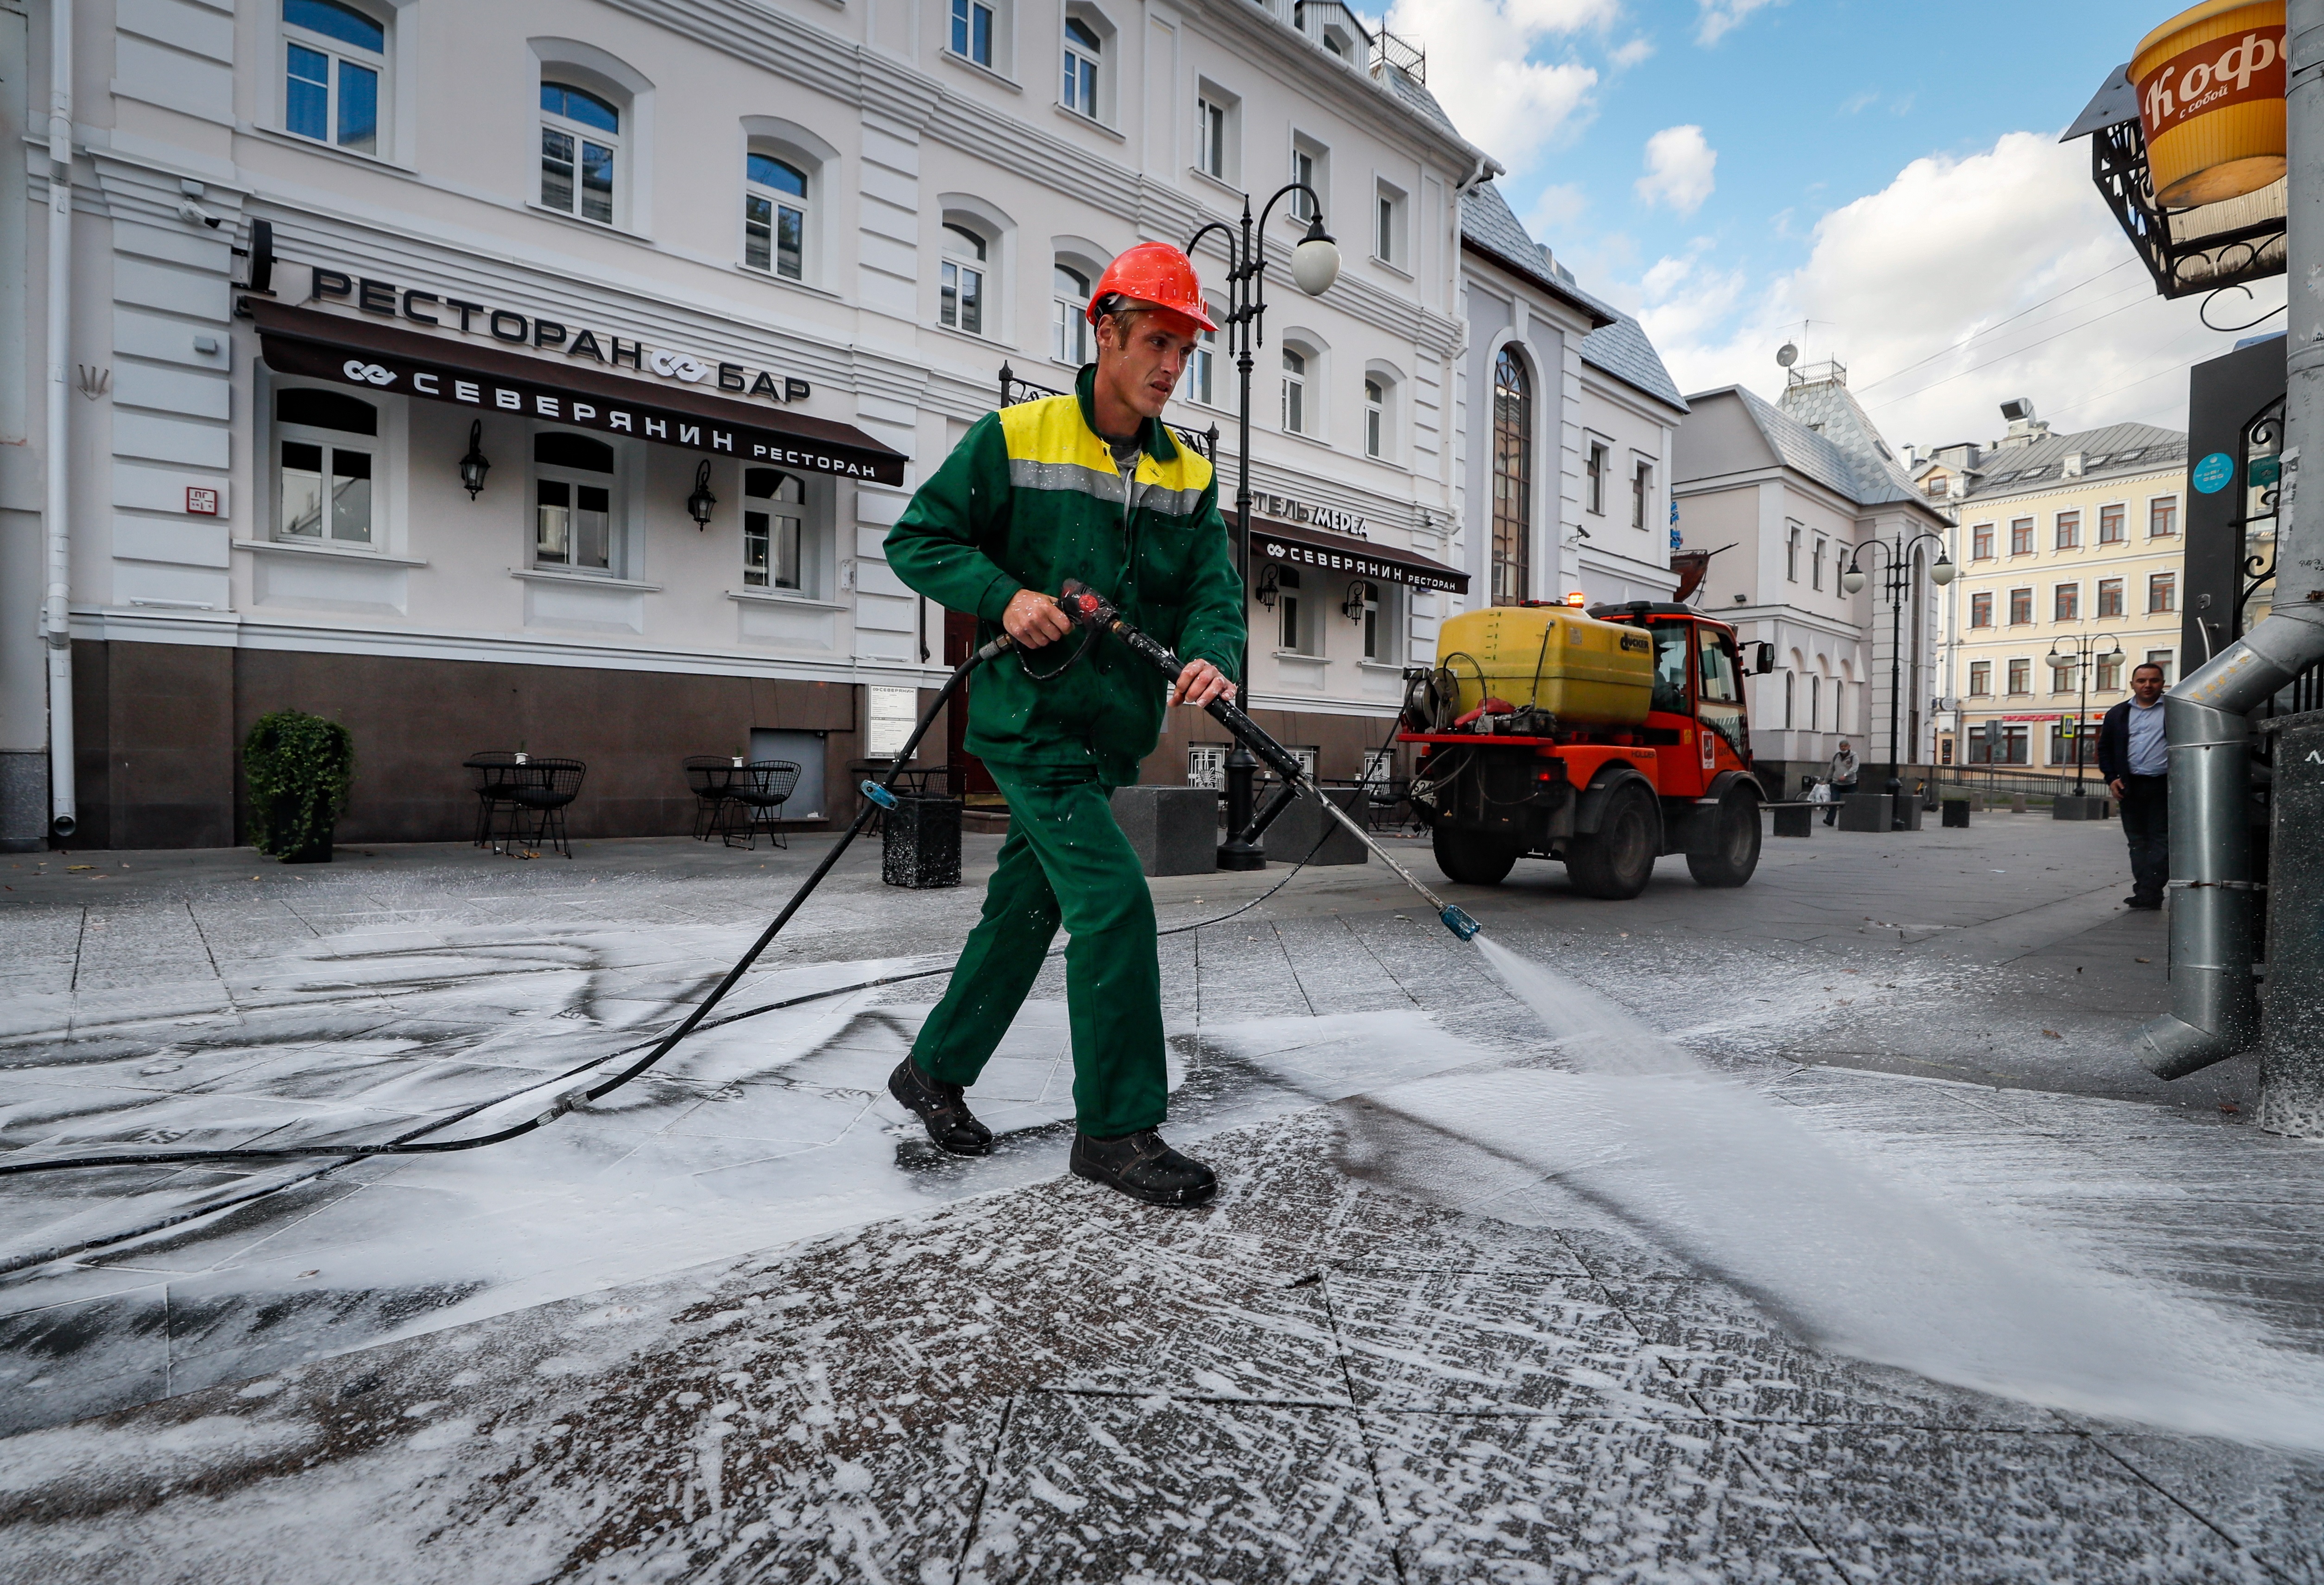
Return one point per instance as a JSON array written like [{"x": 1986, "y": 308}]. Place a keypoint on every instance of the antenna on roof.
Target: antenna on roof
[{"x": 1787, "y": 355}]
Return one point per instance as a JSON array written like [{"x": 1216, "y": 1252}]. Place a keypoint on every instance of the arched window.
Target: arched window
[
  {"x": 1375, "y": 417},
  {"x": 323, "y": 444},
  {"x": 1512, "y": 476},
  {"x": 1083, "y": 51},
  {"x": 773, "y": 508},
  {"x": 580, "y": 148},
  {"x": 960, "y": 289},
  {"x": 774, "y": 217},
  {"x": 1069, "y": 327},
  {"x": 333, "y": 56},
  {"x": 1815, "y": 701},
  {"x": 1295, "y": 392},
  {"x": 573, "y": 502}
]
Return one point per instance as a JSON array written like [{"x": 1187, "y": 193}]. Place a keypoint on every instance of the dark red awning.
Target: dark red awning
[
  {"x": 1294, "y": 545},
  {"x": 438, "y": 368}
]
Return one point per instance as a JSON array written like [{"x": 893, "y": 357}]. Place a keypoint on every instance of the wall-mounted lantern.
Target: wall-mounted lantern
[
  {"x": 1269, "y": 584},
  {"x": 476, "y": 464},
  {"x": 700, "y": 504}
]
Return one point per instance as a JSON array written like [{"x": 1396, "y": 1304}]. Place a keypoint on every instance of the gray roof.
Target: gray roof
[
  {"x": 1414, "y": 94},
  {"x": 1819, "y": 456},
  {"x": 1490, "y": 226},
  {"x": 2039, "y": 464},
  {"x": 1828, "y": 408},
  {"x": 1623, "y": 350}
]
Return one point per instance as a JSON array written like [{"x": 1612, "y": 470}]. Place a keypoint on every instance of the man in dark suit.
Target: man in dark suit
[{"x": 2134, "y": 757}]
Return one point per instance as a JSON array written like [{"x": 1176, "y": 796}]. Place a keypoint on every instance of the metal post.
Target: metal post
[
  {"x": 1895, "y": 682},
  {"x": 1238, "y": 853}
]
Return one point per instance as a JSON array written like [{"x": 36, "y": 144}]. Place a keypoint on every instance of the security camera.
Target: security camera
[{"x": 193, "y": 214}]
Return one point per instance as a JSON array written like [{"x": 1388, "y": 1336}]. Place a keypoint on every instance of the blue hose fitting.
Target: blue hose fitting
[
  {"x": 1458, "y": 923},
  {"x": 880, "y": 795}
]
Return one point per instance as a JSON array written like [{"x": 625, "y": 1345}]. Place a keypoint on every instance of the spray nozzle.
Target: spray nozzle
[
  {"x": 878, "y": 795},
  {"x": 1458, "y": 923}
]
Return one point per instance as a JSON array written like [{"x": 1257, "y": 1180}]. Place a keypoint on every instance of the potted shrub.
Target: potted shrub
[{"x": 299, "y": 767}]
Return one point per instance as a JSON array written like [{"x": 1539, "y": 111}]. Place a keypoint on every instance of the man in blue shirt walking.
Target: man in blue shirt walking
[{"x": 2134, "y": 757}]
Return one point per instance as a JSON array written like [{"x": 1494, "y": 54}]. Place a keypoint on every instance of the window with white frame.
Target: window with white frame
[
  {"x": 1203, "y": 367},
  {"x": 1375, "y": 415},
  {"x": 774, "y": 512},
  {"x": 1594, "y": 482},
  {"x": 1211, "y": 137},
  {"x": 1310, "y": 165},
  {"x": 334, "y": 61},
  {"x": 971, "y": 31},
  {"x": 1295, "y": 392},
  {"x": 1084, "y": 56},
  {"x": 325, "y": 449},
  {"x": 1376, "y": 606},
  {"x": 1794, "y": 533},
  {"x": 1387, "y": 226},
  {"x": 1294, "y": 614},
  {"x": 775, "y": 217},
  {"x": 574, "y": 522},
  {"x": 1069, "y": 326},
  {"x": 580, "y": 152},
  {"x": 961, "y": 278},
  {"x": 1642, "y": 493}
]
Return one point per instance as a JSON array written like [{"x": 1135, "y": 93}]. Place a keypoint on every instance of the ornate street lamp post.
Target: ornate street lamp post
[
  {"x": 1899, "y": 584},
  {"x": 2081, "y": 652},
  {"x": 1314, "y": 265}
]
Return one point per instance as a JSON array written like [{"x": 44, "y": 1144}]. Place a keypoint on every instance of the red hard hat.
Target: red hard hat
[{"x": 1157, "y": 274}]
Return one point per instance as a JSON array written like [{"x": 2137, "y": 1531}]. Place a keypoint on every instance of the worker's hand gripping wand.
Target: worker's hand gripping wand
[{"x": 1086, "y": 607}]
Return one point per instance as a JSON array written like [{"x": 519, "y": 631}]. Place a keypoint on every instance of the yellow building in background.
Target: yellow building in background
[{"x": 2061, "y": 537}]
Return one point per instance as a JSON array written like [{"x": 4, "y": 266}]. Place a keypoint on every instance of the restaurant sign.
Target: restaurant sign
[
  {"x": 1413, "y": 570},
  {"x": 1292, "y": 510}
]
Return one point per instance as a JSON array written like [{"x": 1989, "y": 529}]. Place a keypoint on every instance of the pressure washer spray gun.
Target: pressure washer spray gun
[{"x": 1089, "y": 609}]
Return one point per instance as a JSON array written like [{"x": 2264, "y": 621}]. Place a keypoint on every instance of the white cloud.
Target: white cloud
[
  {"x": 1951, "y": 247},
  {"x": 1625, "y": 56},
  {"x": 1679, "y": 165},
  {"x": 1553, "y": 208},
  {"x": 1722, "y": 17},
  {"x": 1508, "y": 105}
]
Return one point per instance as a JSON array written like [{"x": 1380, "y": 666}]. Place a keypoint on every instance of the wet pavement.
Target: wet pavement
[{"x": 737, "y": 1322}]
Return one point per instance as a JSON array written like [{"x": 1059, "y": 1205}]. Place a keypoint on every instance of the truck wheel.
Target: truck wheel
[
  {"x": 1735, "y": 853},
  {"x": 1620, "y": 860},
  {"x": 1473, "y": 858}
]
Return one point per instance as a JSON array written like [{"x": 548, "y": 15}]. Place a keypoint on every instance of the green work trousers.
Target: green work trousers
[{"x": 1066, "y": 860}]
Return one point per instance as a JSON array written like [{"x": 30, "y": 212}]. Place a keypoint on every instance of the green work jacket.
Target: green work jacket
[{"x": 1029, "y": 498}]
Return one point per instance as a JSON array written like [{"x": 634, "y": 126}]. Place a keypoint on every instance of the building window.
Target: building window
[
  {"x": 2109, "y": 674},
  {"x": 1297, "y": 629},
  {"x": 1375, "y": 401},
  {"x": 2067, "y": 532},
  {"x": 2062, "y": 679},
  {"x": 325, "y": 446},
  {"x": 1513, "y": 476},
  {"x": 2063, "y": 746},
  {"x": 1815, "y": 562},
  {"x": 1388, "y": 225},
  {"x": 333, "y": 57},
  {"x": 1206, "y": 765},
  {"x": 1295, "y": 392},
  {"x": 1215, "y": 132},
  {"x": 580, "y": 140},
  {"x": 2021, "y": 537},
  {"x": 1642, "y": 489},
  {"x": 1792, "y": 553},
  {"x": 1069, "y": 326},
  {"x": 1084, "y": 50},
  {"x": 1373, "y": 616},
  {"x": 960, "y": 289},
  {"x": 2163, "y": 517},
  {"x": 2066, "y": 603},
  {"x": 1201, "y": 368},
  {"x": 2020, "y": 677},
  {"x": 2020, "y": 607},
  {"x": 774, "y": 217},
  {"x": 1980, "y": 677},
  {"x": 1981, "y": 542},
  {"x": 1310, "y": 165},
  {"x": 1596, "y": 478},
  {"x": 2161, "y": 658},
  {"x": 1790, "y": 681},
  {"x": 1980, "y": 609},
  {"x": 1997, "y": 743},
  {"x": 2109, "y": 597},
  {"x": 573, "y": 502},
  {"x": 2111, "y": 525},
  {"x": 773, "y": 511},
  {"x": 2162, "y": 592},
  {"x": 971, "y": 31}
]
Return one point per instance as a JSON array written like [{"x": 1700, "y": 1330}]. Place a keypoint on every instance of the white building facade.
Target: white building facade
[{"x": 548, "y": 374}]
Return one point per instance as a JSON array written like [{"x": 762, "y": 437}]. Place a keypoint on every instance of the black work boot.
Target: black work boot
[
  {"x": 1143, "y": 1167},
  {"x": 941, "y": 1109}
]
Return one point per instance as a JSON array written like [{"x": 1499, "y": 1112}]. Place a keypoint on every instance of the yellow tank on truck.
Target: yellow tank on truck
[{"x": 1583, "y": 671}]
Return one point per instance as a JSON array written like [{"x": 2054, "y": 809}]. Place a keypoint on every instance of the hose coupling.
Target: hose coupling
[
  {"x": 571, "y": 1100},
  {"x": 878, "y": 795}
]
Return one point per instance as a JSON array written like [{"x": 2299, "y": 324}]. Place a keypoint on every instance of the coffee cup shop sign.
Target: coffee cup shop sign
[
  {"x": 543, "y": 334},
  {"x": 1285, "y": 509}
]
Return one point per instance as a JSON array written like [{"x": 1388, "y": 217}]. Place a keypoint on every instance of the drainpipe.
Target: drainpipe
[
  {"x": 56, "y": 619},
  {"x": 2214, "y": 1002}
]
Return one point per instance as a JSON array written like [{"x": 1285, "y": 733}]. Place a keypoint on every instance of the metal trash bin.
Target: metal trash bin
[
  {"x": 919, "y": 841},
  {"x": 1957, "y": 813}
]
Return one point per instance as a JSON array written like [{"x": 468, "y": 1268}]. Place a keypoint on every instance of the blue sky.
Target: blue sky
[{"x": 1729, "y": 168}]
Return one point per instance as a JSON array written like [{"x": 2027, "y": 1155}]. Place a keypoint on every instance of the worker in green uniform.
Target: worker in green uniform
[{"x": 1091, "y": 487}]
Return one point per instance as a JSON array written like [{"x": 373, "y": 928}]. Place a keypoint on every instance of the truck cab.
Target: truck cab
[{"x": 1501, "y": 780}]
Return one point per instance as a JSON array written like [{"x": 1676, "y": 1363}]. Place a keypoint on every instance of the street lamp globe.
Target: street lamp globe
[
  {"x": 1315, "y": 262},
  {"x": 1944, "y": 571},
  {"x": 1851, "y": 580}
]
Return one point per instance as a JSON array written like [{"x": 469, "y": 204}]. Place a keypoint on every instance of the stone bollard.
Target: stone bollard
[
  {"x": 2018, "y": 802},
  {"x": 1174, "y": 829}
]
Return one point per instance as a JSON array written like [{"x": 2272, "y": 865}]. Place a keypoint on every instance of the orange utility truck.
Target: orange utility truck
[{"x": 1603, "y": 740}]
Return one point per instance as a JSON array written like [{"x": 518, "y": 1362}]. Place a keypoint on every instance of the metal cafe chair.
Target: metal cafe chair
[
  {"x": 711, "y": 778},
  {"x": 495, "y": 784},
  {"x": 544, "y": 789},
  {"x": 762, "y": 787}
]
